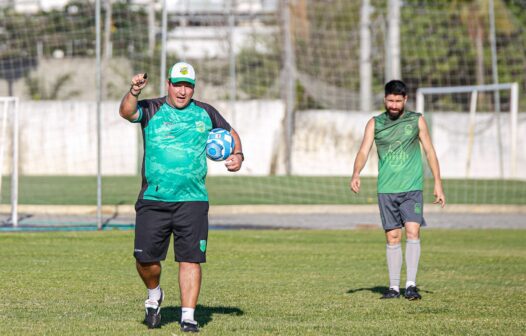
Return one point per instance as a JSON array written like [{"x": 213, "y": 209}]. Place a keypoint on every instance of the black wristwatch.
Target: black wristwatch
[
  {"x": 242, "y": 156},
  {"x": 133, "y": 94}
]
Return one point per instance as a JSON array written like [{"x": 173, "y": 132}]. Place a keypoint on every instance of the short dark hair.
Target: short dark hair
[{"x": 396, "y": 87}]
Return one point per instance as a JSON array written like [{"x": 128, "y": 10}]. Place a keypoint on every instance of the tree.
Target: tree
[
  {"x": 38, "y": 88},
  {"x": 474, "y": 14}
]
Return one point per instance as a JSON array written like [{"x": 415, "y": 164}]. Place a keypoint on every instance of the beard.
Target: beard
[{"x": 394, "y": 113}]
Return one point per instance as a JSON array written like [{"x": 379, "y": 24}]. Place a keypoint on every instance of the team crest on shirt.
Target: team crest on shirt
[
  {"x": 200, "y": 126},
  {"x": 408, "y": 129}
]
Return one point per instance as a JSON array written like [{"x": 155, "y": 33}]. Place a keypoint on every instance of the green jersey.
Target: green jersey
[
  {"x": 174, "y": 164},
  {"x": 399, "y": 156}
]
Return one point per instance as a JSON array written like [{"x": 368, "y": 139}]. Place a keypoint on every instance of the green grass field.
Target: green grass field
[
  {"x": 282, "y": 282},
  {"x": 82, "y": 190}
]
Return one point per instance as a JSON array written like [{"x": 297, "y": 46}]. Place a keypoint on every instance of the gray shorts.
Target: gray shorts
[{"x": 398, "y": 208}]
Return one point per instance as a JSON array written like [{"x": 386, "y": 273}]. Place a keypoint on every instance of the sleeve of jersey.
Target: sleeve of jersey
[
  {"x": 139, "y": 118},
  {"x": 217, "y": 119},
  {"x": 147, "y": 108}
]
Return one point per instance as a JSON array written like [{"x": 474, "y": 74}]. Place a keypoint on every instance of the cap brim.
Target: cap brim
[{"x": 182, "y": 79}]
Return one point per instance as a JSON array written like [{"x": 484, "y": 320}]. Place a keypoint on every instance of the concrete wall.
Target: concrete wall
[
  {"x": 260, "y": 125},
  {"x": 326, "y": 143},
  {"x": 59, "y": 138}
]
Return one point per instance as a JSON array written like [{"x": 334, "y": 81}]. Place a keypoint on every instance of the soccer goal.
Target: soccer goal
[
  {"x": 9, "y": 160},
  {"x": 487, "y": 145}
]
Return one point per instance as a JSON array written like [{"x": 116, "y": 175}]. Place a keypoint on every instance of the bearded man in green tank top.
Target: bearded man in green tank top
[{"x": 398, "y": 135}]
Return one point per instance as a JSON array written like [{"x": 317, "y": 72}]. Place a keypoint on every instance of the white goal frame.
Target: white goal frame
[
  {"x": 474, "y": 89},
  {"x": 10, "y": 106}
]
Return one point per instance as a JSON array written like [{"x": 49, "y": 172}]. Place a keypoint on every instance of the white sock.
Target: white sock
[
  {"x": 396, "y": 288},
  {"x": 412, "y": 257},
  {"x": 154, "y": 294},
  {"x": 394, "y": 264},
  {"x": 187, "y": 314},
  {"x": 410, "y": 283}
]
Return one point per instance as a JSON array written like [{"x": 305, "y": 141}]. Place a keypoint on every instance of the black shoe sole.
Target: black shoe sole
[
  {"x": 190, "y": 330},
  {"x": 413, "y": 298},
  {"x": 390, "y": 295},
  {"x": 153, "y": 321}
]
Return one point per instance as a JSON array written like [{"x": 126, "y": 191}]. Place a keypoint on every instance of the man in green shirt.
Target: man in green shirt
[
  {"x": 173, "y": 199},
  {"x": 398, "y": 134}
]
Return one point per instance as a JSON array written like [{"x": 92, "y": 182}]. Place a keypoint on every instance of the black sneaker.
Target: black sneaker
[
  {"x": 152, "y": 317},
  {"x": 189, "y": 326},
  {"x": 411, "y": 293},
  {"x": 391, "y": 294}
]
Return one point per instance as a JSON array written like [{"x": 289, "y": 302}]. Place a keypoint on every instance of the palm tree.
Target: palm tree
[
  {"x": 38, "y": 88},
  {"x": 474, "y": 14}
]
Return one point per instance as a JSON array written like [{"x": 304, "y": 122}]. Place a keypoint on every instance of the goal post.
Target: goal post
[
  {"x": 9, "y": 117},
  {"x": 474, "y": 89}
]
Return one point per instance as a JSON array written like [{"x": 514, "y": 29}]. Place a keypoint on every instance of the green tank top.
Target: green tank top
[{"x": 399, "y": 156}]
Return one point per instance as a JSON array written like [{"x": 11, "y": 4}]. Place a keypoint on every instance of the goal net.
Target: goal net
[
  {"x": 9, "y": 161},
  {"x": 475, "y": 144},
  {"x": 291, "y": 76}
]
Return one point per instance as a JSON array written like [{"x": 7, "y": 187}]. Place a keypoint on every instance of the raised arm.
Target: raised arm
[
  {"x": 128, "y": 107},
  {"x": 432, "y": 160},
  {"x": 362, "y": 155}
]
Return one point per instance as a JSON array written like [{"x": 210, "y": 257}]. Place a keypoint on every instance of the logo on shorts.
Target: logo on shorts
[
  {"x": 418, "y": 208},
  {"x": 202, "y": 245}
]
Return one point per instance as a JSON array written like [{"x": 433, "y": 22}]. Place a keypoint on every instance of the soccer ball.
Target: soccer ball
[{"x": 220, "y": 144}]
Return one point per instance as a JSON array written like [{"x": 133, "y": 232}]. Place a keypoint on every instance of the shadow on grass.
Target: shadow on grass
[
  {"x": 203, "y": 314},
  {"x": 381, "y": 290},
  {"x": 377, "y": 289}
]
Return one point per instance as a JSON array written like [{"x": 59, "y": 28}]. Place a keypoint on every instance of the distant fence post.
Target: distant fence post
[{"x": 289, "y": 83}]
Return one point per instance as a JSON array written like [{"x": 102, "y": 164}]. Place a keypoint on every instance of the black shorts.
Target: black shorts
[
  {"x": 399, "y": 208},
  {"x": 157, "y": 221}
]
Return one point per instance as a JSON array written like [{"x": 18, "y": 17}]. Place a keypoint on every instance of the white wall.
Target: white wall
[
  {"x": 326, "y": 142},
  {"x": 59, "y": 138},
  {"x": 212, "y": 42},
  {"x": 260, "y": 124},
  {"x": 450, "y": 136}
]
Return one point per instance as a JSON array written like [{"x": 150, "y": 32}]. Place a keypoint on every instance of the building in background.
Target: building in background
[
  {"x": 176, "y": 6},
  {"x": 198, "y": 28}
]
